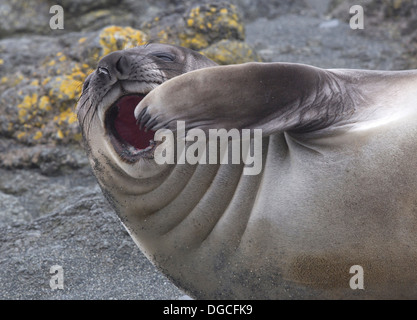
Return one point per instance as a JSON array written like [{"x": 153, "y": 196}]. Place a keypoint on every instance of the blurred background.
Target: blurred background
[{"x": 52, "y": 211}]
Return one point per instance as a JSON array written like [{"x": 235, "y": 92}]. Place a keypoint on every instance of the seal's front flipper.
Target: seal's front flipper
[{"x": 274, "y": 97}]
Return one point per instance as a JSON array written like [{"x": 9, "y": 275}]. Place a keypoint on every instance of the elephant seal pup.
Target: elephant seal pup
[{"x": 338, "y": 186}]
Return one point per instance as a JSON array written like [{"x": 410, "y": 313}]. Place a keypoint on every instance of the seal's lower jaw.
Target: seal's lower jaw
[{"x": 129, "y": 142}]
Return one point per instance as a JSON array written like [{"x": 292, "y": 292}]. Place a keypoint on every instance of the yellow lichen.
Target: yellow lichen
[
  {"x": 37, "y": 135},
  {"x": 204, "y": 23},
  {"x": 28, "y": 102},
  {"x": 46, "y": 80},
  {"x": 196, "y": 42},
  {"x": 162, "y": 36},
  {"x": 82, "y": 40},
  {"x": 72, "y": 118},
  {"x": 45, "y": 103},
  {"x": 69, "y": 87},
  {"x": 195, "y": 12},
  {"x": 36, "y": 111},
  {"x": 1, "y": 61},
  {"x": 67, "y": 116},
  {"x": 4, "y": 80},
  {"x": 22, "y": 113},
  {"x": 59, "y": 134},
  {"x": 118, "y": 38},
  {"x": 230, "y": 52}
]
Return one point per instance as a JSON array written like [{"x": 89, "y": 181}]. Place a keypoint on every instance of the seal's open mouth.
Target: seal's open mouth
[{"x": 128, "y": 140}]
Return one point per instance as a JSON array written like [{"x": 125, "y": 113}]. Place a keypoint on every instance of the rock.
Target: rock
[
  {"x": 39, "y": 107},
  {"x": 77, "y": 7},
  {"x": 51, "y": 160},
  {"x": 116, "y": 38},
  {"x": 94, "y": 267},
  {"x": 231, "y": 52},
  {"x": 39, "y": 194},
  {"x": 21, "y": 17},
  {"x": 333, "y": 23},
  {"x": 270, "y": 9},
  {"x": 18, "y": 17},
  {"x": 197, "y": 27},
  {"x": 404, "y": 12},
  {"x": 11, "y": 211},
  {"x": 307, "y": 43},
  {"x": 39, "y": 95},
  {"x": 399, "y": 22},
  {"x": 39, "y": 91},
  {"x": 398, "y": 9}
]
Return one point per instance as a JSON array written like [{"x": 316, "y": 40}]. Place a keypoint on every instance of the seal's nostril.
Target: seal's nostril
[
  {"x": 103, "y": 70},
  {"x": 122, "y": 66}
]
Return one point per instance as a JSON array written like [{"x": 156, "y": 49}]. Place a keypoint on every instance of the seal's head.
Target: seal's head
[{"x": 111, "y": 93}]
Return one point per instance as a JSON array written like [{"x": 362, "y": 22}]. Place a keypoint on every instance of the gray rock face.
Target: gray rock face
[
  {"x": 22, "y": 17},
  {"x": 314, "y": 42},
  {"x": 52, "y": 211},
  {"x": 84, "y": 237}
]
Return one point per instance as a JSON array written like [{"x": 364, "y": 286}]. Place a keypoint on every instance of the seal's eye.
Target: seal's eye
[
  {"x": 103, "y": 70},
  {"x": 165, "y": 56}
]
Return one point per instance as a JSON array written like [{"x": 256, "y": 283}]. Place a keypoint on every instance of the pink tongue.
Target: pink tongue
[{"x": 125, "y": 124}]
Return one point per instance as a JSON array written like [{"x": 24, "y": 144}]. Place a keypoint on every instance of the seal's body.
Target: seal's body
[{"x": 338, "y": 186}]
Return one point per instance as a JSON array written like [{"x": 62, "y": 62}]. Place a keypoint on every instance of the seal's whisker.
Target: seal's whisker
[
  {"x": 92, "y": 116},
  {"x": 86, "y": 116}
]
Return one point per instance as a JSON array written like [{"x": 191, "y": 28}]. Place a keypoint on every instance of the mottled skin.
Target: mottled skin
[{"x": 337, "y": 189}]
